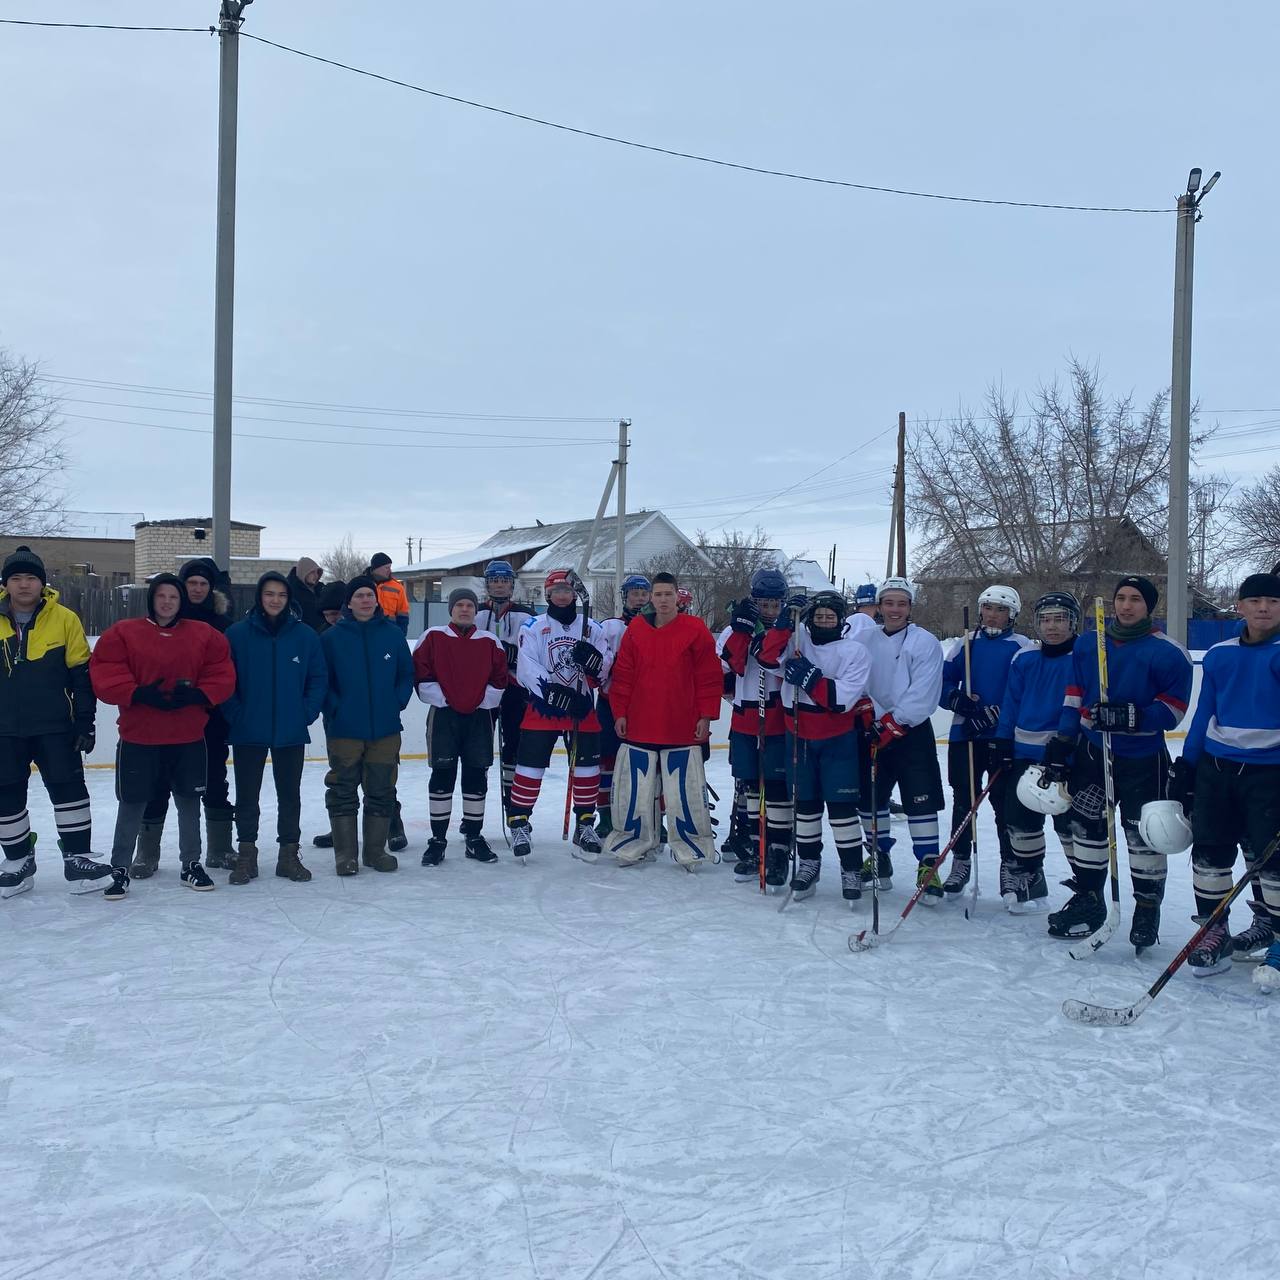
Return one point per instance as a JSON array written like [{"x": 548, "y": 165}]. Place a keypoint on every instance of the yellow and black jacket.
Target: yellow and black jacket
[{"x": 44, "y": 671}]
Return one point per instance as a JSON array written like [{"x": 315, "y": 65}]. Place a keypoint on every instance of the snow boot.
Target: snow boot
[
  {"x": 374, "y": 852},
  {"x": 245, "y": 867},
  {"x": 961, "y": 870},
  {"x": 1212, "y": 954},
  {"x": 195, "y": 877},
  {"x": 521, "y": 839},
  {"x": 433, "y": 854},
  {"x": 478, "y": 850},
  {"x": 289, "y": 865},
  {"x": 927, "y": 876},
  {"x": 1267, "y": 974},
  {"x": 776, "y": 862},
  {"x": 886, "y": 871},
  {"x": 219, "y": 853},
  {"x": 804, "y": 884},
  {"x": 396, "y": 838},
  {"x": 747, "y": 867},
  {"x": 1257, "y": 937},
  {"x": 346, "y": 849},
  {"x": 323, "y": 842},
  {"x": 1084, "y": 913},
  {"x": 147, "y": 858},
  {"x": 1144, "y": 930},
  {"x": 586, "y": 842}
]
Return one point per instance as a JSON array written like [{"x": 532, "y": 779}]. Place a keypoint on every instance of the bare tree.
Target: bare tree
[
  {"x": 1252, "y": 527},
  {"x": 34, "y": 453},
  {"x": 343, "y": 561}
]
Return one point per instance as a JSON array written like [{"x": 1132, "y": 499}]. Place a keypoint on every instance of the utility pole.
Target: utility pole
[
  {"x": 408, "y": 548},
  {"x": 1180, "y": 402},
  {"x": 900, "y": 495},
  {"x": 619, "y": 567},
  {"x": 230, "y": 19}
]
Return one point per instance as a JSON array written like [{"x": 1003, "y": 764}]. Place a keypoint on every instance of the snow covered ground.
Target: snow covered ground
[{"x": 574, "y": 1071}]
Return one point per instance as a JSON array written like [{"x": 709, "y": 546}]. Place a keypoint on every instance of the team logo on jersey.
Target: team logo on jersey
[{"x": 560, "y": 658}]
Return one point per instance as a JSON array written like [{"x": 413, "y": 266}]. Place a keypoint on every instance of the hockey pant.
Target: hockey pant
[
  {"x": 507, "y": 718},
  {"x": 534, "y": 755},
  {"x": 1137, "y": 780},
  {"x": 911, "y": 765},
  {"x": 1025, "y": 826},
  {"x": 984, "y": 764},
  {"x": 676, "y": 773},
  {"x": 62, "y": 772},
  {"x": 826, "y": 773},
  {"x": 454, "y": 738},
  {"x": 1236, "y": 806}
]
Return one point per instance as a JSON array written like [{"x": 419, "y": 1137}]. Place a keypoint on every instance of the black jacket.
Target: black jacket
[{"x": 304, "y": 601}]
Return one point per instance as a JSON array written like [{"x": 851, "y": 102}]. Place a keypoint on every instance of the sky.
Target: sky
[{"x": 397, "y": 251}]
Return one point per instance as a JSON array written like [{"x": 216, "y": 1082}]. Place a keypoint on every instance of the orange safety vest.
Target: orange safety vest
[{"x": 393, "y": 598}]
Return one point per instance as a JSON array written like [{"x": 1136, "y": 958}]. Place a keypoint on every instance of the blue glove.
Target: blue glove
[{"x": 802, "y": 673}]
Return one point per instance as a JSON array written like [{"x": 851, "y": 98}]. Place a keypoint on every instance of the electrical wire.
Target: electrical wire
[{"x": 98, "y": 26}]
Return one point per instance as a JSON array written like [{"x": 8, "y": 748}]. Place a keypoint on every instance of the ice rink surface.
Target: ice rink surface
[{"x": 568, "y": 1071}]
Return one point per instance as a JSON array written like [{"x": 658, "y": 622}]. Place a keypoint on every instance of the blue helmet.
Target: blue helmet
[
  {"x": 636, "y": 582},
  {"x": 768, "y": 584},
  {"x": 498, "y": 569},
  {"x": 865, "y": 594}
]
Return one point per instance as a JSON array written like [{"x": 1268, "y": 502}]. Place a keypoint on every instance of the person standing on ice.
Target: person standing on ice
[
  {"x": 1228, "y": 777},
  {"x": 993, "y": 646},
  {"x": 635, "y": 599},
  {"x": 47, "y": 710},
  {"x": 1149, "y": 686},
  {"x": 370, "y": 684},
  {"x": 905, "y": 685},
  {"x": 461, "y": 674},
  {"x": 165, "y": 672},
  {"x": 666, "y": 685},
  {"x": 281, "y": 682},
  {"x": 563, "y": 659},
  {"x": 1029, "y": 715},
  {"x": 505, "y": 618}
]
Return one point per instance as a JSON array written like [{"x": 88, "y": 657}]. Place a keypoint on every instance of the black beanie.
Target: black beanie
[
  {"x": 160, "y": 580},
  {"x": 202, "y": 567},
  {"x": 1143, "y": 586},
  {"x": 333, "y": 595},
  {"x": 23, "y": 560},
  {"x": 462, "y": 593},
  {"x": 360, "y": 580},
  {"x": 379, "y": 560},
  {"x": 1260, "y": 584}
]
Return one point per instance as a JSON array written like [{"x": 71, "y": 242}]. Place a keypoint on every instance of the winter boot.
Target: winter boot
[
  {"x": 323, "y": 842},
  {"x": 804, "y": 884},
  {"x": 478, "y": 850},
  {"x": 195, "y": 877},
  {"x": 1257, "y": 937},
  {"x": 246, "y": 864},
  {"x": 604, "y": 823},
  {"x": 147, "y": 858},
  {"x": 521, "y": 839},
  {"x": 961, "y": 870},
  {"x": 219, "y": 854},
  {"x": 289, "y": 865},
  {"x": 396, "y": 838},
  {"x": 927, "y": 876},
  {"x": 346, "y": 848},
  {"x": 1267, "y": 974},
  {"x": 375, "y": 855},
  {"x": 1212, "y": 954},
  {"x": 747, "y": 867},
  {"x": 776, "y": 862},
  {"x": 433, "y": 855},
  {"x": 586, "y": 841},
  {"x": 886, "y": 871},
  {"x": 1144, "y": 931},
  {"x": 1084, "y": 913}
]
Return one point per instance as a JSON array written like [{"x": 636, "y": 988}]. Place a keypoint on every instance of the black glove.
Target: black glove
[
  {"x": 1116, "y": 717},
  {"x": 1182, "y": 784},
  {"x": 149, "y": 695},
  {"x": 1058, "y": 756},
  {"x": 185, "y": 694},
  {"x": 587, "y": 658},
  {"x": 86, "y": 738},
  {"x": 986, "y": 719},
  {"x": 965, "y": 705},
  {"x": 1002, "y": 753},
  {"x": 744, "y": 614},
  {"x": 566, "y": 701},
  {"x": 513, "y": 655}
]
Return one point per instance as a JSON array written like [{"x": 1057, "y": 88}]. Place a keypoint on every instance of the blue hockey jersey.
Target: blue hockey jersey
[
  {"x": 1238, "y": 711},
  {"x": 1032, "y": 705},
  {"x": 989, "y": 658}
]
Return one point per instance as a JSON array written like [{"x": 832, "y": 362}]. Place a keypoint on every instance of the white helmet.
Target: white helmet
[
  {"x": 897, "y": 584},
  {"x": 1164, "y": 827},
  {"x": 1005, "y": 596},
  {"x": 1040, "y": 796}
]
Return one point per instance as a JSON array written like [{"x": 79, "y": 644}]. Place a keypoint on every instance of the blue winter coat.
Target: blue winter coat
[
  {"x": 281, "y": 682},
  {"x": 370, "y": 678}
]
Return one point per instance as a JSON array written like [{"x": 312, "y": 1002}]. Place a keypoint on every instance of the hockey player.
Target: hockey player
[
  {"x": 164, "y": 672},
  {"x": 1149, "y": 686},
  {"x": 562, "y": 660},
  {"x": 757, "y": 728},
  {"x": 505, "y": 618},
  {"x": 461, "y": 674},
  {"x": 47, "y": 711},
  {"x": 635, "y": 599},
  {"x": 993, "y": 646},
  {"x": 1231, "y": 766},
  {"x": 905, "y": 684},
  {"x": 666, "y": 684},
  {"x": 824, "y": 677},
  {"x": 684, "y": 599},
  {"x": 864, "y": 603},
  {"x": 1029, "y": 715}
]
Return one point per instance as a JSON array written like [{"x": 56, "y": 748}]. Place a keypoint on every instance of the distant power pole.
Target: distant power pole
[
  {"x": 229, "y": 20},
  {"x": 901, "y": 496},
  {"x": 1180, "y": 403},
  {"x": 408, "y": 548},
  {"x": 619, "y": 567}
]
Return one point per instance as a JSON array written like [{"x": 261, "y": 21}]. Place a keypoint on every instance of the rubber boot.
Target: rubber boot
[
  {"x": 289, "y": 865},
  {"x": 324, "y": 842},
  {"x": 396, "y": 838},
  {"x": 246, "y": 864},
  {"x": 346, "y": 848},
  {"x": 147, "y": 858},
  {"x": 376, "y": 827},
  {"x": 219, "y": 852}
]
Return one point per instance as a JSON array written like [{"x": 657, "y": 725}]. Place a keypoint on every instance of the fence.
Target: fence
[{"x": 100, "y": 607}]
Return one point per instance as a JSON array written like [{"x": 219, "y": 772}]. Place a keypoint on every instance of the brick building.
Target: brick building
[{"x": 163, "y": 546}]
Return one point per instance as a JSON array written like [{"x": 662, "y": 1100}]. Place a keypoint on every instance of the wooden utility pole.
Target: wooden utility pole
[{"x": 900, "y": 495}]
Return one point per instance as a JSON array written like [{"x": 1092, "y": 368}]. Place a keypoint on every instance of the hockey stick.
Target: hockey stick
[
  {"x": 864, "y": 941},
  {"x": 760, "y": 746},
  {"x": 503, "y": 795},
  {"x": 1097, "y": 1015},
  {"x": 1099, "y": 939},
  {"x": 972, "y": 908},
  {"x": 580, "y": 590},
  {"x": 875, "y": 844},
  {"x": 795, "y": 769}
]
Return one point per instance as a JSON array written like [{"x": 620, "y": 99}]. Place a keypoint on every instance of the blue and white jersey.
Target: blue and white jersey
[
  {"x": 989, "y": 659},
  {"x": 1238, "y": 711},
  {"x": 1033, "y": 697}
]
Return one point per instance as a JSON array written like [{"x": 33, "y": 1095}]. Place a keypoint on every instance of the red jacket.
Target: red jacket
[
  {"x": 465, "y": 671},
  {"x": 137, "y": 651},
  {"x": 665, "y": 679}
]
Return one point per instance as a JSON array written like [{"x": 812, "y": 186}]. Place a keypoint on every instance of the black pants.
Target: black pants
[
  {"x": 62, "y": 772},
  {"x": 217, "y": 795},
  {"x": 910, "y": 764},
  {"x": 453, "y": 738},
  {"x": 984, "y": 764},
  {"x": 144, "y": 771},
  {"x": 286, "y": 772}
]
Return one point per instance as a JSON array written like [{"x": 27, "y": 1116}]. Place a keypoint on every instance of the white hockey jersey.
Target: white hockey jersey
[{"x": 906, "y": 673}]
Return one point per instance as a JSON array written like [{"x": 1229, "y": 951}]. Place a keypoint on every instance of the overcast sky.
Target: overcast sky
[{"x": 403, "y": 252}]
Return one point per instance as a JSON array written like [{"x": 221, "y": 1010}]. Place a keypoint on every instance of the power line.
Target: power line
[{"x": 98, "y": 26}]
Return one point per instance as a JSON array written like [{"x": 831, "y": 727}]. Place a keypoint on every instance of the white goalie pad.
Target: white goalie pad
[
  {"x": 684, "y": 785},
  {"x": 636, "y": 785}
]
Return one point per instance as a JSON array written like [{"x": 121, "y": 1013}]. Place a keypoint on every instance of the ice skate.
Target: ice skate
[
  {"x": 804, "y": 884},
  {"x": 1084, "y": 913},
  {"x": 1212, "y": 954},
  {"x": 586, "y": 842}
]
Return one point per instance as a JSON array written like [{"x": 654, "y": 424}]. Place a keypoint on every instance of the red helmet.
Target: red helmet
[
  {"x": 556, "y": 578},
  {"x": 684, "y": 598}
]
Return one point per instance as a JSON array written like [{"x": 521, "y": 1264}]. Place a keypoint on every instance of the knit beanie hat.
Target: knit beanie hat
[
  {"x": 1143, "y": 586},
  {"x": 1260, "y": 584},
  {"x": 379, "y": 560},
  {"x": 23, "y": 560},
  {"x": 359, "y": 581},
  {"x": 333, "y": 595},
  {"x": 462, "y": 593},
  {"x": 202, "y": 567}
]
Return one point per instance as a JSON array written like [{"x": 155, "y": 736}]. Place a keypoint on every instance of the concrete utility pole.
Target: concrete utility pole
[
  {"x": 900, "y": 495},
  {"x": 620, "y": 568},
  {"x": 229, "y": 21},
  {"x": 1180, "y": 403}
]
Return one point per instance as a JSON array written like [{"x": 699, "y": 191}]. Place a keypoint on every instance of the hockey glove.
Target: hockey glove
[
  {"x": 794, "y": 606},
  {"x": 564, "y": 701},
  {"x": 986, "y": 719},
  {"x": 965, "y": 705},
  {"x": 513, "y": 655},
  {"x": 864, "y": 714},
  {"x": 1117, "y": 717},
  {"x": 887, "y": 731},
  {"x": 587, "y": 658},
  {"x": 744, "y": 616},
  {"x": 802, "y": 673},
  {"x": 86, "y": 739},
  {"x": 1002, "y": 753},
  {"x": 149, "y": 695},
  {"x": 1058, "y": 756},
  {"x": 185, "y": 694},
  {"x": 1182, "y": 783}
]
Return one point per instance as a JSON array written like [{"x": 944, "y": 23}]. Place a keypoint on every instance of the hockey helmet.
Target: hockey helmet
[
  {"x": 1039, "y": 796},
  {"x": 865, "y": 594},
  {"x": 1059, "y": 600},
  {"x": 896, "y": 584},
  {"x": 498, "y": 569},
  {"x": 768, "y": 584},
  {"x": 558, "y": 578},
  {"x": 832, "y": 600},
  {"x": 1163, "y": 827},
  {"x": 635, "y": 582},
  {"x": 1006, "y": 597},
  {"x": 684, "y": 598}
]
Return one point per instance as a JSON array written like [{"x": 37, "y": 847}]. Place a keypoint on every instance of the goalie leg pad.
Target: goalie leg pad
[
  {"x": 684, "y": 786},
  {"x": 635, "y": 795}
]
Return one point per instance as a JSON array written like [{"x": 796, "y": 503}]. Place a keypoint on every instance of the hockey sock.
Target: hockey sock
[
  {"x": 15, "y": 834},
  {"x": 586, "y": 787},
  {"x": 604, "y": 798},
  {"x": 508, "y": 776},
  {"x": 846, "y": 832},
  {"x": 1211, "y": 877},
  {"x": 1147, "y": 868},
  {"x": 879, "y": 823},
  {"x": 809, "y": 829},
  {"x": 525, "y": 787},
  {"x": 474, "y": 789},
  {"x": 924, "y": 835},
  {"x": 777, "y": 813},
  {"x": 1027, "y": 848},
  {"x": 440, "y": 797},
  {"x": 1089, "y": 857},
  {"x": 72, "y": 816}
]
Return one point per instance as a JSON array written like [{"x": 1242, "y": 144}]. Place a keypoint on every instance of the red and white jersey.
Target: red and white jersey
[
  {"x": 737, "y": 660},
  {"x": 546, "y": 649},
  {"x": 845, "y": 664},
  {"x": 466, "y": 671}
]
